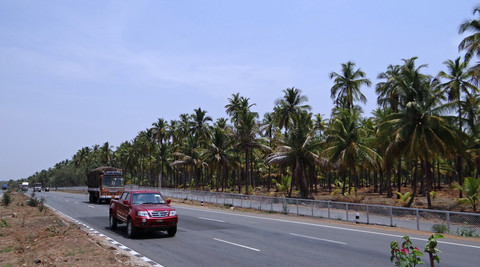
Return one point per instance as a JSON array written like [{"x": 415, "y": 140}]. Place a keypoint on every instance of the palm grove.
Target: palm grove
[{"x": 424, "y": 133}]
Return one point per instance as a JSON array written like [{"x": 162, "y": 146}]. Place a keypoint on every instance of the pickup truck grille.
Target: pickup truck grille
[{"x": 159, "y": 214}]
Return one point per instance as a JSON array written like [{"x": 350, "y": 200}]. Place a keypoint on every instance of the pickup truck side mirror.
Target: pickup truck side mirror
[
  {"x": 125, "y": 202},
  {"x": 169, "y": 201}
]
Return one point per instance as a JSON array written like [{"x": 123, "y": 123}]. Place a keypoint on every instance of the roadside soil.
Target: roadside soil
[{"x": 31, "y": 236}]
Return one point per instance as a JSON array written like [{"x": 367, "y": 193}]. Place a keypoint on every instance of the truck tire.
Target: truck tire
[
  {"x": 131, "y": 229},
  {"x": 172, "y": 231},
  {"x": 91, "y": 198},
  {"x": 113, "y": 222}
]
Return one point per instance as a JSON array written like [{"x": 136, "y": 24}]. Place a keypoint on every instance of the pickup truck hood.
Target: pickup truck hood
[{"x": 153, "y": 207}]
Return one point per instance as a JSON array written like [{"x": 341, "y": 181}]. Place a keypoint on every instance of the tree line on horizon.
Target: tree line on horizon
[{"x": 425, "y": 133}]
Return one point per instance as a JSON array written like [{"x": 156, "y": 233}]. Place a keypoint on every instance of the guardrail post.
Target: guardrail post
[
  {"x": 368, "y": 215},
  {"x": 391, "y": 216},
  {"x": 328, "y": 206},
  {"x": 312, "y": 207},
  {"x": 271, "y": 205},
  {"x": 346, "y": 210},
  {"x": 418, "y": 219},
  {"x": 297, "y": 206},
  {"x": 448, "y": 221}
]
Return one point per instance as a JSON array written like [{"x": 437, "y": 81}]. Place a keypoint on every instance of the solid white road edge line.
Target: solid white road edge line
[
  {"x": 332, "y": 227},
  {"x": 321, "y": 239},
  {"x": 208, "y": 219},
  {"x": 235, "y": 244}
]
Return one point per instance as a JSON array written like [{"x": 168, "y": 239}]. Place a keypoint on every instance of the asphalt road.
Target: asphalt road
[{"x": 213, "y": 237}]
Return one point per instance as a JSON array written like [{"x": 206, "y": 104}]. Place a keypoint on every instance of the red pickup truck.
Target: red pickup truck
[{"x": 142, "y": 209}]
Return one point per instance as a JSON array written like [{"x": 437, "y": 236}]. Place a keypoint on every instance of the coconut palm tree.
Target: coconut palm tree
[
  {"x": 471, "y": 43},
  {"x": 298, "y": 148},
  {"x": 421, "y": 134},
  {"x": 127, "y": 159},
  {"x": 199, "y": 126},
  {"x": 246, "y": 135},
  {"x": 160, "y": 130},
  {"x": 291, "y": 103},
  {"x": 344, "y": 144},
  {"x": 218, "y": 154},
  {"x": 472, "y": 192},
  {"x": 457, "y": 84},
  {"x": 346, "y": 88},
  {"x": 387, "y": 91}
]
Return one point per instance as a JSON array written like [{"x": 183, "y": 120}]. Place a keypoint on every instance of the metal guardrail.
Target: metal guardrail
[{"x": 410, "y": 218}]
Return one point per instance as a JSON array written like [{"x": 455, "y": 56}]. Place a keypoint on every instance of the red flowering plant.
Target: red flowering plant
[{"x": 406, "y": 255}]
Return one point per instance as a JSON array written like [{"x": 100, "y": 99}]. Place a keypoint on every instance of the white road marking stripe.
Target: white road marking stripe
[
  {"x": 91, "y": 206},
  {"x": 316, "y": 238},
  {"x": 211, "y": 219},
  {"x": 334, "y": 227},
  {"x": 235, "y": 244}
]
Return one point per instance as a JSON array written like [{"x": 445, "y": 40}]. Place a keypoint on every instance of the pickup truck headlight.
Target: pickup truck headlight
[
  {"x": 173, "y": 212},
  {"x": 142, "y": 213}
]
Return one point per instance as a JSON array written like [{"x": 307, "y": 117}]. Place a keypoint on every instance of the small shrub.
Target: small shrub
[
  {"x": 440, "y": 228},
  {"x": 228, "y": 205},
  {"x": 4, "y": 223},
  {"x": 33, "y": 202},
  {"x": 466, "y": 231},
  {"x": 41, "y": 204},
  {"x": 6, "y": 199},
  {"x": 404, "y": 198}
]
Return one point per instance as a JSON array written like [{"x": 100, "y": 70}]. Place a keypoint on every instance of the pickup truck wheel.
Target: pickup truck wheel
[
  {"x": 90, "y": 198},
  {"x": 172, "y": 231},
  {"x": 113, "y": 222},
  {"x": 131, "y": 229}
]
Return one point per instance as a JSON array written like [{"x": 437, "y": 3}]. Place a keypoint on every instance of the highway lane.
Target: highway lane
[{"x": 212, "y": 237}]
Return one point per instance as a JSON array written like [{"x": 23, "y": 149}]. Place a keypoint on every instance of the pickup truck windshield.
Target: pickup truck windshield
[
  {"x": 148, "y": 198},
  {"x": 112, "y": 181}
]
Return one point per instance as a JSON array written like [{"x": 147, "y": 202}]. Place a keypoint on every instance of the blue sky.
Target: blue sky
[{"x": 80, "y": 73}]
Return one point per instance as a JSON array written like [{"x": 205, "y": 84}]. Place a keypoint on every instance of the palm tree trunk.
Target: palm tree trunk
[
  {"x": 344, "y": 173},
  {"x": 429, "y": 181},
  {"x": 460, "y": 170},
  {"x": 388, "y": 181},
  {"x": 399, "y": 176},
  {"x": 301, "y": 179},
  {"x": 414, "y": 184}
]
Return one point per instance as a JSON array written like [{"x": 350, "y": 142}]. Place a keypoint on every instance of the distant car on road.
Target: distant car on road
[
  {"x": 47, "y": 188},
  {"x": 142, "y": 210}
]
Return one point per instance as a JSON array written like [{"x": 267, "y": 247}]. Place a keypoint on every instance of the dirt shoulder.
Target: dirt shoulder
[{"x": 34, "y": 236}]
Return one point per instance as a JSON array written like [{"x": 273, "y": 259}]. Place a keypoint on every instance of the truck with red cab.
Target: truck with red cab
[
  {"x": 104, "y": 183},
  {"x": 143, "y": 210}
]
